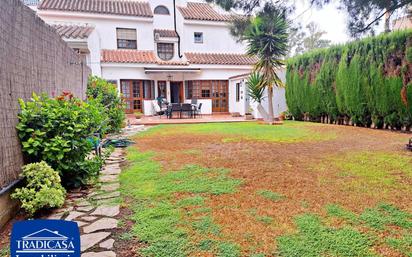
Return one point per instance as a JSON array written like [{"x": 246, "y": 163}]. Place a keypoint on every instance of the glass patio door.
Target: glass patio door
[
  {"x": 220, "y": 96},
  {"x": 132, "y": 91}
]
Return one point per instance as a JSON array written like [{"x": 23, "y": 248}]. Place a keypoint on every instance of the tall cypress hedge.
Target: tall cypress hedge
[{"x": 363, "y": 82}]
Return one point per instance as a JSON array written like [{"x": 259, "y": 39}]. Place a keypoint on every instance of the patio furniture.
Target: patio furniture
[
  {"x": 175, "y": 108},
  {"x": 168, "y": 112},
  {"x": 409, "y": 146},
  {"x": 158, "y": 110},
  {"x": 198, "y": 110},
  {"x": 188, "y": 110},
  {"x": 194, "y": 101}
]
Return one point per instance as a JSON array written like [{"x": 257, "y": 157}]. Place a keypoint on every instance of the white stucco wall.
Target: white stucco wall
[
  {"x": 279, "y": 99},
  {"x": 106, "y": 25},
  {"x": 162, "y": 21},
  {"x": 241, "y": 106},
  {"x": 93, "y": 43},
  {"x": 216, "y": 35},
  {"x": 216, "y": 38},
  {"x": 208, "y": 72},
  {"x": 206, "y": 105}
]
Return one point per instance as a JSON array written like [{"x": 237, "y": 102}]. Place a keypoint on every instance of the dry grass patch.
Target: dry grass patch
[{"x": 284, "y": 180}]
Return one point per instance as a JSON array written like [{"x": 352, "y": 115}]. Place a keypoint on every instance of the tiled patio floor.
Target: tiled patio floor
[{"x": 156, "y": 120}]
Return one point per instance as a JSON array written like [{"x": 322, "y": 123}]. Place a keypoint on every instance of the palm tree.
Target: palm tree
[
  {"x": 267, "y": 39},
  {"x": 257, "y": 92}
]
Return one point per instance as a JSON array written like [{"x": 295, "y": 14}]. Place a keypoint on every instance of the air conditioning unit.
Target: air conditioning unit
[{"x": 157, "y": 36}]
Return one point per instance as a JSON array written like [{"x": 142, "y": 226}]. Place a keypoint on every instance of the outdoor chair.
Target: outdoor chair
[
  {"x": 158, "y": 110},
  {"x": 187, "y": 109},
  {"x": 409, "y": 146},
  {"x": 198, "y": 110},
  {"x": 176, "y": 108},
  {"x": 168, "y": 112},
  {"x": 194, "y": 101}
]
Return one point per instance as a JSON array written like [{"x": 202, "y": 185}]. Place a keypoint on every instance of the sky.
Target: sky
[{"x": 329, "y": 19}]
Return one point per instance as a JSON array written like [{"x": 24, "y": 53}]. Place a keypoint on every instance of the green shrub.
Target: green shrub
[
  {"x": 361, "y": 81},
  {"x": 42, "y": 188},
  {"x": 254, "y": 87},
  {"x": 107, "y": 94},
  {"x": 55, "y": 130},
  {"x": 409, "y": 54}
]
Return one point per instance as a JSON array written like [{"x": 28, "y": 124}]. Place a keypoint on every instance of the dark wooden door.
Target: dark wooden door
[
  {"x": 220, "y": 92},
  {"x": 132, "y": 91},
  {"x": 176, "y": 91}
]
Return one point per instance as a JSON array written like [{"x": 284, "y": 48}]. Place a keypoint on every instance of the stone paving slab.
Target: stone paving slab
[
  {"x": 110, "y": 187},
  {"x": 73, "y": 215},
  {"x": 83, "y": 203},
  {"x": 108, "y": 178},
  {"x": 107, "y": 195},
  {"x": 81, "y": 223},
  {"x": 111, "y": 171},
  {"x": 89, "y": 240},
  {"x": 89, "y": 218},
  {"x": 106, "y": 210},
  {"x": 108, "y": 244},
  {"x": 97, "y": 211},
  {"x": 101, "y": 224},
  {"x": 99, "y": 254},
  {"x": 85, "y": 208}
]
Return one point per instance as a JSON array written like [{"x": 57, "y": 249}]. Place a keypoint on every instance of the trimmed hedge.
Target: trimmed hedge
[{"x": 364, "y": 82}]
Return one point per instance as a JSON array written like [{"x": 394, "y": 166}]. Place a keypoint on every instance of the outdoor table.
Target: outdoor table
[{"x": 180, "y": 110}]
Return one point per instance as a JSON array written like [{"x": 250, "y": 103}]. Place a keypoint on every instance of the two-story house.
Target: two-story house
[{"x": 175, "y": 49}]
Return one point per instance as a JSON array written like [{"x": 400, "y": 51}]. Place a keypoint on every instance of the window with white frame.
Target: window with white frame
[
  {"x": 126, "y": 38},
  {"x": 198, "y": 37}
]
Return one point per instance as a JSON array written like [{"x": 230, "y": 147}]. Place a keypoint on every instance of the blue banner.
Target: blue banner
[{"x": 45, "y": 238}]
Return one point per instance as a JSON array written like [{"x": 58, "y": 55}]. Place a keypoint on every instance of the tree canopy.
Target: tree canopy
[
  {"x": 302, "y": 40},
  {"x": 363, "y": 15}
]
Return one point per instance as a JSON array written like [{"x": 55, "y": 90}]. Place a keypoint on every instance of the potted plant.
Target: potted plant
[
  {"x": 249, "y": 115},
  {"x": 138, "y": 115},
  {"x": 282, "y": 116}
]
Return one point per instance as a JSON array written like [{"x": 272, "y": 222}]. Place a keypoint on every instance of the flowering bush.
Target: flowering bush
[
  {"x": 107, "y": 94},
  {"x": 55, "y": 130},
  {"x": 42, "y": 188}
]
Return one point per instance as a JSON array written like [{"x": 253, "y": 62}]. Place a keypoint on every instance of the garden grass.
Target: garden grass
[
  {"x": 273, "y": 196},
  {"x": 194, "y": 192},
  {"x": 383, "y": 219},
  {"x": 5, "y": 252},
  {"x": 316, "y": 239},
  {"x": 373, "y": 171},
  {"x": 289, "y": 132},
  {"x": 160, "y": 217}
]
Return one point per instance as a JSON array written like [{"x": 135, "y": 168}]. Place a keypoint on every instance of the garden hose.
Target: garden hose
[{"x": 118, "y": 143}]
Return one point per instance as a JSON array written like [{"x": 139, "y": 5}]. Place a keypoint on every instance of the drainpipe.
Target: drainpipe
[{"x": 178, "y": 36}]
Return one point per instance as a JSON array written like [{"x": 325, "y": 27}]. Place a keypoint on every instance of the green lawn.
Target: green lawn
[
  {"x": 290, "y": 132},
  {"x": 198, "y": 208}
]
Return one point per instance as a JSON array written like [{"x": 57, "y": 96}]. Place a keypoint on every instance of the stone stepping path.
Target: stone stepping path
[{"x": 95, "y": 211}]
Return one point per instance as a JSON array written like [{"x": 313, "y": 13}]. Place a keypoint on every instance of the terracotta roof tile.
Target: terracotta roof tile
[
  {"x": 180, "y": 63},
  {"x": 128, "y": 56},
  {"x": 220, "y": 58},
  {"x": 165, "y": 32},
  {"x": 115, "y": 7},
  {"x": 73, "y": 31},
  {"x": 202, "y": 11},
  {"x": 149, "y": 57}
]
